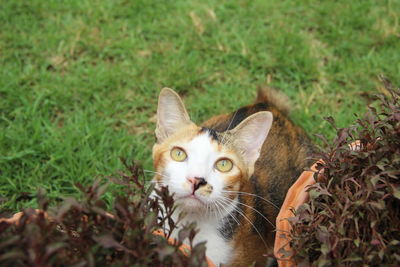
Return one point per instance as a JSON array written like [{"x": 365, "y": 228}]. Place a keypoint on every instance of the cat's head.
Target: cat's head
[{"x": 204, "y": 168}]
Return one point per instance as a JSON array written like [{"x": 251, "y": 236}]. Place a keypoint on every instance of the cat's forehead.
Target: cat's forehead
[
  {"x": 194, "y": 135},
  {"x": 204, "y": 142},
  {"x": 208, "y": 144}
]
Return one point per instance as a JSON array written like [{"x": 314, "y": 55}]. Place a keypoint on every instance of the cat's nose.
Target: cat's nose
[{"x": 197, "y": 182}]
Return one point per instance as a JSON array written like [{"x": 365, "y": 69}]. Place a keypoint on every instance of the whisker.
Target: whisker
[
  {"x": 245, "y": 193},
  {"x": 231, "y": 204},
  {"x": 159, "y": 183},
  {"x": 248, "y": 220},
  {"x": 262, "y": 215},
  {"x": 219, "y": 212},
  {"x": 231, "y": 215},
  {"x": 230, "y": 123},
  {"x": 163, "y": 175},
  {"x": 222, "y": 217}
]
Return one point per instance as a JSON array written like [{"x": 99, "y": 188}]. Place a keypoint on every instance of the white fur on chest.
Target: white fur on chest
[{"x": 218, "y": 249}]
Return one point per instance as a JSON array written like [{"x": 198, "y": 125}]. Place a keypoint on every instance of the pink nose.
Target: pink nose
[{"x": 197, "y": 182}]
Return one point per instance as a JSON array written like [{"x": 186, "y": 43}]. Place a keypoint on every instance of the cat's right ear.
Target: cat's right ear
[{"x": 171, "y": 114}]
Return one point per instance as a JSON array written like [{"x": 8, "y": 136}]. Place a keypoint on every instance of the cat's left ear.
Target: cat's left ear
[
  {"x": 171, "y": 114},
  {"x": 250, "y": 135}
]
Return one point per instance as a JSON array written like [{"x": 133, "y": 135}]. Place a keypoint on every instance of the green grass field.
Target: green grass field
[{"x": 79, "y": 80}]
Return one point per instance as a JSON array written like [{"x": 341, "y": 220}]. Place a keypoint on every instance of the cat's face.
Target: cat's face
[
  {"x": 204, "y": 169},
  {"x": 197, "y": 167}
]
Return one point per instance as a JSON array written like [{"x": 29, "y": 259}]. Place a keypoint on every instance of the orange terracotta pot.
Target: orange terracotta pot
[{"x": 295, "y": 197}]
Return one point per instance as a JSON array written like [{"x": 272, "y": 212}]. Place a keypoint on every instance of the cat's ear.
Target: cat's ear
[
  {"x": 171, "y": 114},
  {"x": 250, "y": 135}
]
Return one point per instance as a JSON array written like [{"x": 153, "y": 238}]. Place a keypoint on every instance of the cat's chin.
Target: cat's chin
[{"x": 190, "y": 203}]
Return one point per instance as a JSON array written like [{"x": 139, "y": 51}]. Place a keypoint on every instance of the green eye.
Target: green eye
[
  {"x": 178, "y": 154},
  {"x": 224, "y": 165}
]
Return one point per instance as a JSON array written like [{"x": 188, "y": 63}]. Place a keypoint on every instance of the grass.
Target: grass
[{"x": 79, "y": 79}]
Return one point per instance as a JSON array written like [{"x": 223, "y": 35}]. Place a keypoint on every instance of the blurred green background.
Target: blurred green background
[{"x": 79, "y": 80}]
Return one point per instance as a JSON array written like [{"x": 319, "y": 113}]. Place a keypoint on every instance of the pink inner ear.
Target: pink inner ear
[
  {"x": 252, "y": 133},
  {"x": 171, "y": 114}
]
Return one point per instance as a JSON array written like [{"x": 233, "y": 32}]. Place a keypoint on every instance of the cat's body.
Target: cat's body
[{"x": 234, "y": 209}]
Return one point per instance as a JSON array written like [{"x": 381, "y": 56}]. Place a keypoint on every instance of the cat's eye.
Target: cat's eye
[
  {"x": 178, "y": 154},
  {"x": 224, "y": 165}
]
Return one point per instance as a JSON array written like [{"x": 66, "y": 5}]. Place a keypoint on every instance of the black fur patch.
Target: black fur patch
[
  {"x": 230, "y": 223},
  {"x": 242, "y": 113},
  {"x": 260, "y": 107},
  {"x": 211, "y": 132},
  {"x": 272, "y": 262},
  {"x": 237, "y": 117}
]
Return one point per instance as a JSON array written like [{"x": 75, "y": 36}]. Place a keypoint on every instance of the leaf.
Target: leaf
[
  {"x": 375, "y": 242},
  {"x": 324, "y": 249},
  {"x": 165, "y": 251},
  {"x": 352, "y": 258},
  {"x": 53, "y": 248},
  {"x": 396, "y": 193},
  {"x": 107, "y": 241},
  {"x": 184, "y": 233},
  {"x": 15, "y": 254}
]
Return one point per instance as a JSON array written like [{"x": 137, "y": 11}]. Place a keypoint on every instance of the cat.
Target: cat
[{"x": 230, "y": 174}]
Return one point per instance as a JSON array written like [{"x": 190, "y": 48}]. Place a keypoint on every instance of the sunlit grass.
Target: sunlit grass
[{"x": 79, "y": 80}]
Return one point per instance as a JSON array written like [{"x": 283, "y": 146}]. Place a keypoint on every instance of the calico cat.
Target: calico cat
[{"x": 230, "y": 174}]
